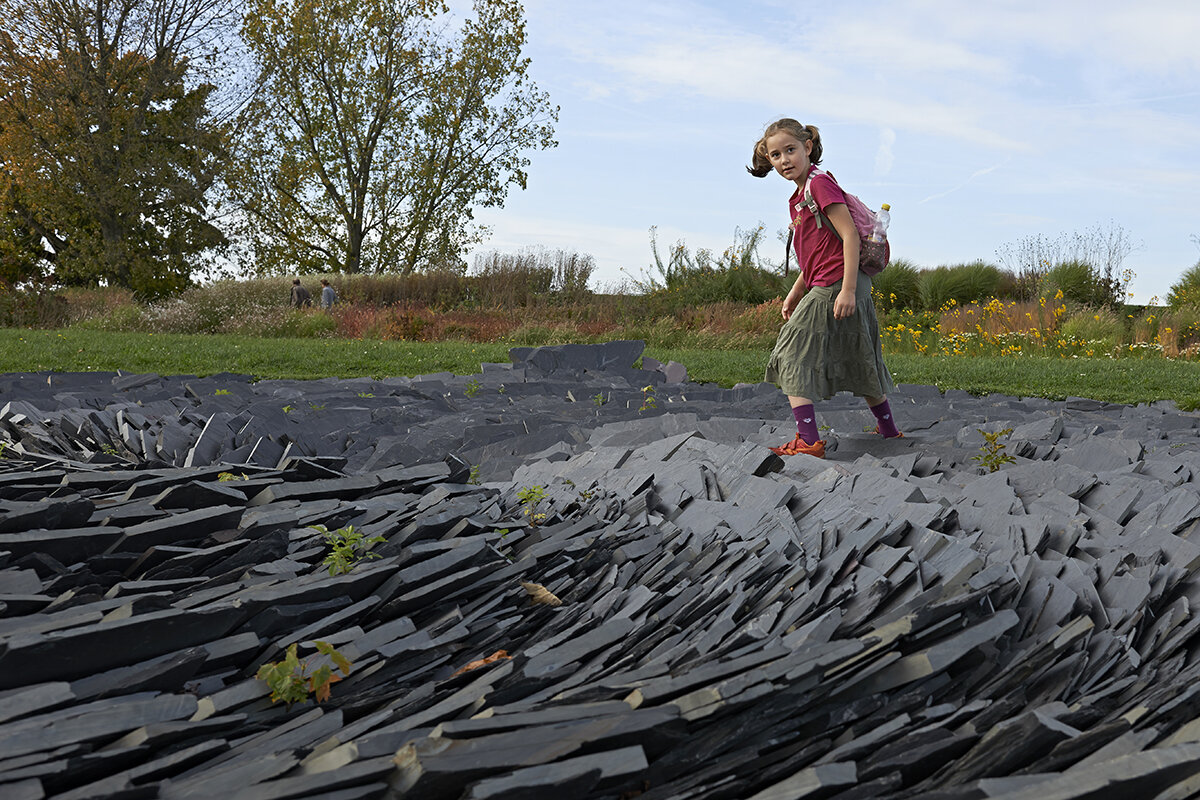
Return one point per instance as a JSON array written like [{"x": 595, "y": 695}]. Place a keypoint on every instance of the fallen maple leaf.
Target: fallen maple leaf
[{"x": 494, "y": 657}]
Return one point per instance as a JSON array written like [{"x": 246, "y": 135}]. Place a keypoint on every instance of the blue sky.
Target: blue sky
[{"x": 982, "y": 124}]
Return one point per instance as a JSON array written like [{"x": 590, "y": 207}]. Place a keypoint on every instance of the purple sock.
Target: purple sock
[
  {"x": 887, "y": 426},
  {"x": 806, "y": 422}
]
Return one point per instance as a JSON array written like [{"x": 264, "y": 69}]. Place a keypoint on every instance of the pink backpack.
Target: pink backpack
[{"x": 872, "y": 256}]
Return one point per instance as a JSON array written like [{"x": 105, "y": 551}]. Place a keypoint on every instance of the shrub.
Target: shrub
[
  {"x": 1100, "y": 327},
  {"x": 33, "y": 308},
  {"x": 897, "y": 287},
  {"x": 287, "y": 323},
  {"x": 125, "y": 318},
  {"x": 764, "y": 318},
  {"x": 222, "y": 307},
  {"x": 965, "y": 283},
  {"x": 1144, "y": 326},
  {"x": 1179, "y": 331},
  {"x": 1032, "y": 257},
  {"x": 441, "y": 289},
  {"x": 1186, "y": 291},
  {"x": 1079, "y": 283},
  {"x": 516, "y": 279},
  {"x": 739, "y": 275},
  {"x": 95, "y": 302}
]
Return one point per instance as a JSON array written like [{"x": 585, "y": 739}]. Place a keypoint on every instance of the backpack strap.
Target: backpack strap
[{"x": 811, "y": 204}]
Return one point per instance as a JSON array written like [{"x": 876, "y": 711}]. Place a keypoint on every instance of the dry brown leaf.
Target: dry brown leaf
[
  {"x": 540, "y": 594},
  {"x": 476, "y": 664}
]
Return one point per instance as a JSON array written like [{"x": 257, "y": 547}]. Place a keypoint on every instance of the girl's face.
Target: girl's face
[{"x": 789, "y": 156}]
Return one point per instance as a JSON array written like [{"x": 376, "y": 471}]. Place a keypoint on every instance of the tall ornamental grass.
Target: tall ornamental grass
[
  {"x": 738, "y": 275},
  {"x": 1186, "y": 291},
  {"x": 965, "y": 283},
  {"x": 898, "y": 287}
]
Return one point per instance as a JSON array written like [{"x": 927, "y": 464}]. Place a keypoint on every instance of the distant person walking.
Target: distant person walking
[
  {"x": 300, "y": 296},
  {"x": 830, "y": 338},
  {"x": 328, "y": 295}
]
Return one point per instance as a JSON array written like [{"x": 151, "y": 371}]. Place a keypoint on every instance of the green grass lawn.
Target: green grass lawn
[{"x": 1123, "y": 380}]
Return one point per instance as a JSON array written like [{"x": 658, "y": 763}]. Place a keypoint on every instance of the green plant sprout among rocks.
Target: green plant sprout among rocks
[
  {"x": 291, "y": 682},
  {"x": 993, "y": 453},
  {"x": 473, "y": 387},
  {"x": 347, "y": 547},
  {"x": 648, "y": 400},
  {"x": 531, "y": 497}
]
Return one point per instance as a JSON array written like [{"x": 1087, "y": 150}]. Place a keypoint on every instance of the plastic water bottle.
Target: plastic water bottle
[{"x": 882, "y": 218}]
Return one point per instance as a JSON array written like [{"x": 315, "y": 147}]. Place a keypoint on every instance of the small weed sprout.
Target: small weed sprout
[
  {"x": 531, "y": 497},
  {"x": 473, "y": 477},
  {"x": 347, "y": 547},
  {"x": 993, "y": 453},
  {"x": 108, "y": 449},
  {"x": 473, "y": 387},
  {"x": 290, "y": 680},
  {"x": 225, "y": 477},
  {"x": 599, "y": 399},
  {"x": 366, "y": 394},
  {"x": 288, "y": 409},
  {"x": 222, "y": 391},
  {"x": 316, "y": 407},
  {"x": 501, "y": 389},
  {"x": 648, "y": 400}
]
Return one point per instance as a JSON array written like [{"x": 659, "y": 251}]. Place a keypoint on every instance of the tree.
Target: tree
[
  {"x": 374, "y": 132},
  {"x": 108, "y": 152}
]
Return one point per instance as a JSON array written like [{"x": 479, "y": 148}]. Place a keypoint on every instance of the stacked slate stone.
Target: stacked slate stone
[{"x": 587, "y": 588}]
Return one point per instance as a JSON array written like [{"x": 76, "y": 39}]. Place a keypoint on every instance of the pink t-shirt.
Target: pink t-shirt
[{"x": 818, "y": 250}]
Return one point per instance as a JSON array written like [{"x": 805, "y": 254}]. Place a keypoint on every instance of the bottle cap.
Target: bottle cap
[{"x": 886, "y": 207}]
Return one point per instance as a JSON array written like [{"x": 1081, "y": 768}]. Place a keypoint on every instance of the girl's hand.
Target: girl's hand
[
  {"x": 790, "y": 302},
  {"x": 843, "y": 305}
]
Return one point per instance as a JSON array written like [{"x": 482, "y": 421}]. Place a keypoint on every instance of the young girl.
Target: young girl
[{"x": 830, "y": 338}]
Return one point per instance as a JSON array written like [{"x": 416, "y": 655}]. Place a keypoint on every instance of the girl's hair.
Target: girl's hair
[{"x": 761, "y": 165}]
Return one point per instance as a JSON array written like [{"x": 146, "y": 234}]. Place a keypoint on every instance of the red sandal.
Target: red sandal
[{"x": 798, "y": 446}]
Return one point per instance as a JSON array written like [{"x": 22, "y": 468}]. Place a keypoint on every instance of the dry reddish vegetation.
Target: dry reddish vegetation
[{"x": 597, "y": 320}]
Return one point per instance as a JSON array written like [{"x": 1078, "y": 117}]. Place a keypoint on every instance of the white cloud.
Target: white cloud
[
  {"x": 976, "y": 174},
  {"x": 989, "y": 77},
  {"x": 884, "y": 157}
]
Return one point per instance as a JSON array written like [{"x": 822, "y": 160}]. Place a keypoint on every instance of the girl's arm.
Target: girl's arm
[
  {"x": 793, "y": 297},
  {"x": 839, "y": 215}
]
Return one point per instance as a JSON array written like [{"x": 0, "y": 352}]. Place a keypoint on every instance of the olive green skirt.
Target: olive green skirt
[{"x": 817, "y": 356}]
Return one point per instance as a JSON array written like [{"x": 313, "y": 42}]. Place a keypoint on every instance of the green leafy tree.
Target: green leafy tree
[
  {"x": 374, "y": 132},
  {"x": 21, "y": 258},
  {"x": 108, "y": 144}
]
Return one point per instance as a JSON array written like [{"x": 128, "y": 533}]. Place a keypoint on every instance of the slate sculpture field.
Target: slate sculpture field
[{"x": 591, "y": 589}]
